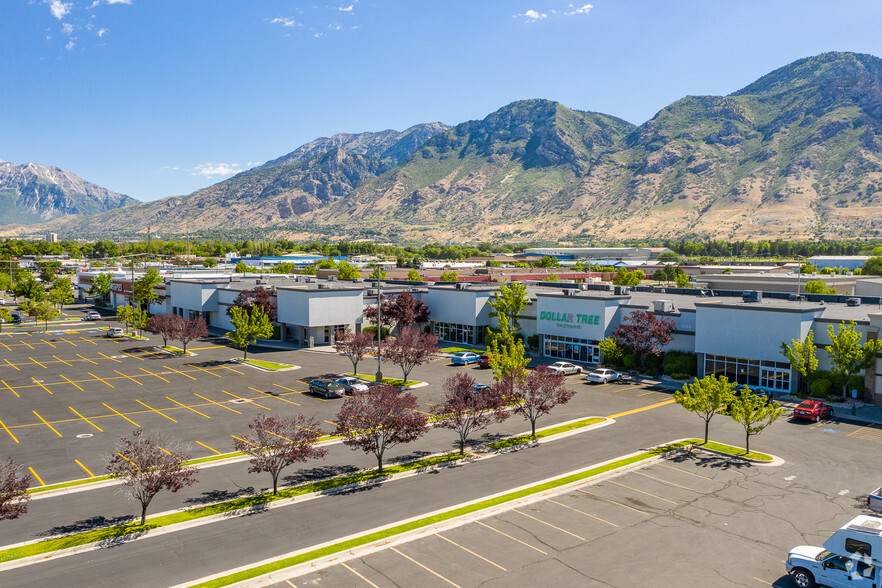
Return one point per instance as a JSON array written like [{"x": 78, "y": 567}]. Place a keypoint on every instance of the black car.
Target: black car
[
  {"x": 16, "y": 318},
  {"x": 327, "y": 388}
]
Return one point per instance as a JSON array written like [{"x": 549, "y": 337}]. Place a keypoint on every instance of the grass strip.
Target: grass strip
[
  {"x": 732, "y": 450},
  {"x": 177, "y": 350},
  {"x": 118, "y": 531},
  {"x": 431, "y": 520},
  {"x": 545, "y": 433},
  {"x": 389, "y": 381},
  {"x": 269, "y": 365},
  {"x": 460, "y": 349}
]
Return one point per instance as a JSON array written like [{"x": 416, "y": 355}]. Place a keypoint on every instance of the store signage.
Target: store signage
[{"x": 570, "y": 320}]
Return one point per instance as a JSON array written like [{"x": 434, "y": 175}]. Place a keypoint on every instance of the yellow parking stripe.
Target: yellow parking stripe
[
  {"x": 243, "y": 440},
  {"x": 39, "y": 479},
  {"x": 62, "y": 361},
  {"x": 510, "y": 537},
  {"x": 26, "y": 343},
  {"x": 466, "y": 549},
  {"x": 582, "y": 512},
  {"x": 207, "y": 447},
  {"x": 246, "y": 400},
  {"x": 289, "y": 389},
  {"x": 232, "y": 370},
  {"x": 85, "y": 469},
  {"x": 636, "y": 410},
  {"x": 5, "y": 428},
  {"x": 87, "y": 359},
  {"x": 365, "y": 580},
  {"x": 204, "y": 370},
  {"x": 430, "y": 570},
  {"x": 10, "y": 388},
  {"x": 133, "y": 356},
  {"x": 66, "y": 341},
  {"x": 108, "y": 357},
  {"x": 612, "y": 501},
  {"x": 48, "y": 343},
  {"x": 188, "y": 408},
  {"x": 628, "y": 388},
  {"x": 101, "y": 379},
  {"x": 40, "y": 384},
  {"x": 70, "y": 382},
  {"x": 648, "y": 393},
  {"x": 157, "y": 375},
  {"x": 12, "y": 364},
  {"x": 179, "y": 372},
  {"x": 130, "y": 378},
  {"x": 117, "y": 413},
  {"x": 88, "y": 341},
  {"x": 8, "y": 348},
  {"x": 46, "y": 423},
  {"x": 85, "y": 419},
  {"x": 276, "y": 397},
  {"x": 216, "y": 403},
  {"x": 156, "y": 411},
  {"x": 549, "y": 524},
  {"x": 204, "y": 348}
]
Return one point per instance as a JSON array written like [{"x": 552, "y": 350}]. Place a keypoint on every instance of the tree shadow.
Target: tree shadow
[
  {"x": 90, "y": 524},
  {"x": 705, "y": 460},
  {"x": 318, "y": 473},
  {"x": 220, "y": 496},
  {"x": 416, "y": 455}
]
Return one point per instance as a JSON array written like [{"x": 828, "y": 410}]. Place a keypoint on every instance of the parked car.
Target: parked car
[
  {"x": 464, "y": 358},
  {"x": 874, "y": 500},
  {"x": 602, "y": 376},
  {"x": 327, "y": 388},
  {"x": 92, "y": 316},
  {"x": 484, "y": 361},
  {"x": 479, "y": 388},
  {"x": 566, "y": 368},
  {"x": 352, "y": 384},
  {"x": 813, "y": 410},
  {"x": 16, "y": 318},
  {"x": 114, "y": 332}
]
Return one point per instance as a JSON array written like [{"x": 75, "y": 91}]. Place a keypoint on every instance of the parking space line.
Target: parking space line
[
  {"x": 276, "y": 397},
  {"x": 217, "y": 403},
  {"x": 40, "y": 384},
  {"x": 466, "y": 549},
  {"x": 690, "y": 473},
  {"x": 38, "y": 363},
  {"x": 66, "y": 341},
  {"x": 133, "y": 356},
  {"x": 640, "y": 491},
  {"x": 612, "y": 501},
  {"x": 430, "y": 570},
  {"x": 157, "y": 375},
  {"x": 121, "y": 414},
  {"x": 156, "y": 411},
  {"x": 108, "y": 357},
  {"x": 336, "y": 425},
  {"x": 88, "y": 341},
  {"x": 289, "y": 389},
  {"x": 62, "y": 361},
  {"x": 70, "y": 382},
  {"x": 39, "y": 479},
  {"x": 204, "y": 370},
  {"x": 49, "y": 343},
  {"x": 628, "y": 388},
  {"x": 368, "y": 582},
  {"x": 130, "y": 378},
  {"x": 204, "y": 348},
  {"x": 12, "y": 364},
  {"x": 763, "y": 581},
  {"x": 647, "y": 393},
  {"x": 179, "y": 372},
  {"x": 5, "y": 428},
  {"x": 246, "y": 400},
  {"x": 86, "y": 359},
  {"x": 26, "y": 343},
  {"x": 10, "y": 388},
  {"x": 510, "y": 537},
  {"x": 103, "y": 380},
  {"x": 549, "y": 524},
  {"x": 232, "y": 370},
  {"x": 669, "y": 483},
  {"x": 45, "y": 422},
  {"x": 85, "y": 469},
  {"x": 582, "y": 512},
  {"x": 8, "y": 348},
  {"x": 207, "y": 447},
  {"x": 243, "y": 440},
  {"x": 188, "y": 408},
  {"x": 85, "y": 419}
]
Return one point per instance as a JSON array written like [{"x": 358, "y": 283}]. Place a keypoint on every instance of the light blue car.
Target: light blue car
[{"x": 465, "y": 358}]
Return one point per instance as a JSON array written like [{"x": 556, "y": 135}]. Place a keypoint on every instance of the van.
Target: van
[{"x": 852, "y": 556}]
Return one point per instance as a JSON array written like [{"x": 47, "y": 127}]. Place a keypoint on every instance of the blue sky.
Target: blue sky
[{"x": 155, "y": 98}]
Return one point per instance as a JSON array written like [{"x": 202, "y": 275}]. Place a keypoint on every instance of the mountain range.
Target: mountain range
[{"x": 797, "y": 154}]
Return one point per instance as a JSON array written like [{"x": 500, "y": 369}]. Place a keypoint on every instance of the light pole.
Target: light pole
[{"x": 379, "y": 377}]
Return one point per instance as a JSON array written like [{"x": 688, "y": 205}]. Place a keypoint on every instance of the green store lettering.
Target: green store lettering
[{"x": 569, "y": 317}]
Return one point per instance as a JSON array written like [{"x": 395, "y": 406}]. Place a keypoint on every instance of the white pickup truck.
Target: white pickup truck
[
  {"x": 851, "y": 557},
  {"x": 874, "y": 500}
]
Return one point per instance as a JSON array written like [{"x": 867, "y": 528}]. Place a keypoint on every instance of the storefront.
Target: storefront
[
  {"x": 311, "y": 314},
  {"x": 572, "y": 324},
  {"x": 460, "y": 312}
]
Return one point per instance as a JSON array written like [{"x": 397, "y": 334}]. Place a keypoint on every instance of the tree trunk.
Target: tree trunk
[
  {"x": 706, "y": 427},
  {"x": 144, "y": 513},
  {"x": 275, "y": 484},
  {"x": 462, "y": 445},
  {"x": 747, "y": 443},
  {"x": 533, "y": 427},
  {"x": 379, "y": 463},
  {"x": 245, "y": 354}
]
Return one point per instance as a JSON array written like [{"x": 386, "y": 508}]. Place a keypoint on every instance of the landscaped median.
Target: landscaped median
[{"x": 270, "y": 365}]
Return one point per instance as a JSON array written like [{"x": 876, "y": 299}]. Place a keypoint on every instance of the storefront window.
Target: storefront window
[
  {"x": 771, "y": 375},
  {"x": 572, "y": 349},
  {"x": 454, "y": 333}
]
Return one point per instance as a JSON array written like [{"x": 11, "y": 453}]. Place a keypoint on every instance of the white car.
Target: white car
[
  {"x": 566, "y": 368},
  {"x": 602, "y": 376},
  {"x": 114, "y": 332},
  {"x": 351, "y": 384},
  {"x": 92, "y": 316}
]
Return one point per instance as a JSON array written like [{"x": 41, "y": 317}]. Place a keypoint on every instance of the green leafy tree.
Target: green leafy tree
[
  {"x": 47, "y": 270},
  {"x": 101, "y": 285},
  {"x": 449, "y": 276},
  {"x": 5, "y": 316},
  {"x": 209, "y": 262},
  {"x": 61, "y": 293},
  {"x": 284, "y": 268},
  {"x": 414, "y": 276},
  {"x": 139, "y": 319},
  {"x": 241, "y": 268},
  {"x": 46, "y": 311},
  {"x": 508, "y": 358},
  {"x": 378, "y": 274},
  {"x": 753, "y": 413},
  {"x": 551, "y": 278},
  {"x": 547, "y": 261},
  {"x": 510, "y": 300},
  {"x": 706, "y": 397},
  {"x": 625, "y": 277},
  {"x": 249, "y": 327},
  {"x": 347, "y": 271},
  {"x": 802, "y": 357},
  {"x": 847, "y": 354},
  {"x": 144, "y": 289},
  {"x": 612, "y": 351},
  {"x": 328, "y": 263},
  {"x": 682, "y": 279},
  {"x": 29, "y": 287},
  {"x": 872, "y": 266},
  {"x": 124, "y": 315},
  {"x": 818, "y": 287},
  {"x": 29, "y": 307},
  {"x": 308, "y": 271},
  {"x": 5, "y": 281}
]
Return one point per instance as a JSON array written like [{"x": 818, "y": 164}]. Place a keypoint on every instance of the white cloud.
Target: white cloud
[
  {"x": 531, "y": 15},
  {"x": 319, "y": 35},
  {"x": 582, "y": 10},
  {"x": 210, "y": 170},
  {"x": 102, "y": 32},
  {"x": 67, "y": 28},
  {"x": 59, "y": 9},
  {"x": 70, "y": 45},
  {"x": 129, "y": 2},
  {"x": 346, "y": 8},
  {"x": 285, "y": 21}
]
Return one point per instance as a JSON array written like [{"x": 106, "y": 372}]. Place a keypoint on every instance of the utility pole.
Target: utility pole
[{"x": 379, "y": 377}]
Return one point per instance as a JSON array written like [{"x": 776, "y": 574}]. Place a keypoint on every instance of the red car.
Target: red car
[
  {"x": 813, "y": 410},
  {"x": 484, "y": 361}
]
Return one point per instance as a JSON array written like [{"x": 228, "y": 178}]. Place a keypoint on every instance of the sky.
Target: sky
[{"x": 157, "y": 98}]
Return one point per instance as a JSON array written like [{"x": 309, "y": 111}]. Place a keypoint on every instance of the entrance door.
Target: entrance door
[{"x": 775, "y": 379}]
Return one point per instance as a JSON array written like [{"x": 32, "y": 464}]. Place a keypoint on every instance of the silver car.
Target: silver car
[
  {"x": 566, "y": 368},
  {"x": 351, "y": 384}
]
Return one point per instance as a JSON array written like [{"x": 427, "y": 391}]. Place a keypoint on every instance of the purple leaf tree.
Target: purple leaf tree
[
  {"x": 538, "y": 393},
  {"x": 644, "y": 333},
  {"x": 14, "y": 486},
  {"x": 410, "y": 349},
  {"x": 353, "y": 345},
  {"x": 465, "y": 410}
]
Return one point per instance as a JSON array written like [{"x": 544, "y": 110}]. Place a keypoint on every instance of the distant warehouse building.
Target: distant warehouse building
[
  {"x": 849, "y": 262},
  {"x": 627, "y": 254}
]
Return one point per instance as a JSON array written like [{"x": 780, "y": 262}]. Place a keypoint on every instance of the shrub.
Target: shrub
[
  {"x": 372, "y": 329},
  {"x": 820, "y": 387},
  {"x": 631, "y": 362},
  {"x": 651, "y": 372},
  {"x": 856, "y": 383},
  {"x": 680, "y": 362},
  {"x": 678, "y": 375}
]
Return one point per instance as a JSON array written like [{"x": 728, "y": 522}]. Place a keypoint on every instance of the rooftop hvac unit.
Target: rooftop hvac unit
[
  {"x": 371, "y": 292},
  {"x": 324, "y": 286},
  {"x": 571, "y": 292},
  {"x": 618, "y": 290},
  {"x": 662, "y": 306},
  {"x": 752, "y": 296},
  {"x": 462, "y": 286},
  {"x": 853, "y": 302}
]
